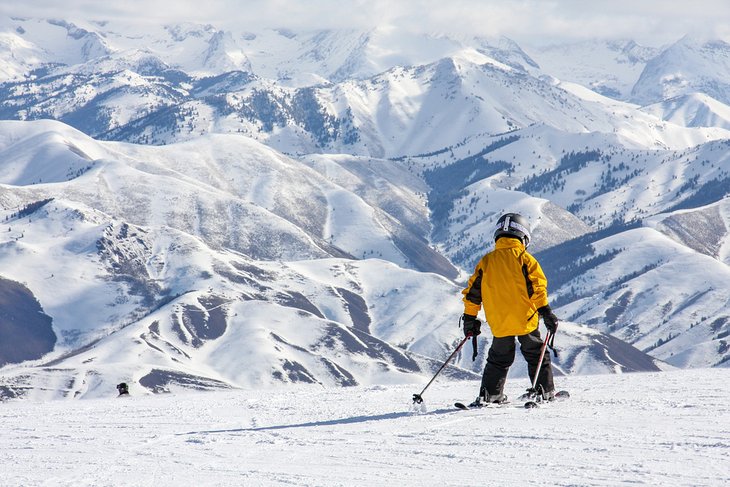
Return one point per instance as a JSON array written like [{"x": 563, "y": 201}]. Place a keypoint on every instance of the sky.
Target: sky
[{"x": 650, "y": 22}]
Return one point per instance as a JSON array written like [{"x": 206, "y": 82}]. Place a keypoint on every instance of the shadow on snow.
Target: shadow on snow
[{"x": 331, "y": 422}]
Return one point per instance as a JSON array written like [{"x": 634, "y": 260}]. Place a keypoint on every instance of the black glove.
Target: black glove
[
  {"x": 549, "y": 318},
  {"x": 472, "y": 326}
]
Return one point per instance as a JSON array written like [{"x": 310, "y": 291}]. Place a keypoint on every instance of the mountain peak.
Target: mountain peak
[
  {"x": 689, "y": 65},
  {"x": 224, "y": 54}
]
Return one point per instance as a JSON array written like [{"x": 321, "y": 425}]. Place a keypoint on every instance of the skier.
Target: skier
[
  {"x": 509, "y": 283},
  {"x": 123, "y": 389}
]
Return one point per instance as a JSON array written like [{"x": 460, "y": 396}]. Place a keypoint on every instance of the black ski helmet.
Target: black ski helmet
[{"x": 513, "y": 225}]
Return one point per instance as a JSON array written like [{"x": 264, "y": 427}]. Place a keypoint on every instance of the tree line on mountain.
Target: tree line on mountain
[
  {"x": 28, "y": 209},
  {"x": 554, "y": 179}
]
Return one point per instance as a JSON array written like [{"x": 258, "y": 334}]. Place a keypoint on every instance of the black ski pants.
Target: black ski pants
[{"x": 502, "y": 355}]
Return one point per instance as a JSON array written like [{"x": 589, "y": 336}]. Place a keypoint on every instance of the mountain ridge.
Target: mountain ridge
[{"x": 315, "y": 223}]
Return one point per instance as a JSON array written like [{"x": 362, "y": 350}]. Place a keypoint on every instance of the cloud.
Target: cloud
[{"x": 652, "y": 22}]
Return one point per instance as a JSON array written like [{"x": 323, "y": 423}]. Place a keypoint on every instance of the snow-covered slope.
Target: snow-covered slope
[
  {"x": 611, "y": 68},
  {"x": 654, "y": 429},
  {"x": 705, "y": 229},
  {"x": 688, "y": 66},
  {"x": 615, "y": 286},
  {"x": 230, "y": 191},
  {"x": 32, "y": 44},
  {"x": 180, "y": 81},
  {"x": 650, "y": 291},
  {"x": 692, "y": 110},
  {"x": 294, "y": 58},
  {"x": 304, "y": 206},
  {"x": 220, "y": 263},
  {"x": 403, "y": 111}
]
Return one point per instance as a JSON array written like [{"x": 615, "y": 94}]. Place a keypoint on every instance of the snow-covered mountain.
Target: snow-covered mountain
[
  {"x": 627, "y": 71},
  {"x": 687, "y": 66},
  {"x": 610, "y": 68},
  {"x": 692, "y": 110},
  {"x": 403, "y": 111},
  {"x": 217, "y": 265},
  {"x": 30, "y": 44},
  {"x": 294, "y": 58},
  {"x": 216, "y": 209},
  {"x": 175, "y": 82}
]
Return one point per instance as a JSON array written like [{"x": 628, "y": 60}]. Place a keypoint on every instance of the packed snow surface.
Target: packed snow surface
[{"x": 668, "y": 428}]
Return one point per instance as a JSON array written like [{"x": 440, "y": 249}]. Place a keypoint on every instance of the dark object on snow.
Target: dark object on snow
[{"x": 123, "y": 389}]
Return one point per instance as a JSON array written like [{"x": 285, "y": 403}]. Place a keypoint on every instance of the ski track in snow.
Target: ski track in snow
[{"x": 670, "y": 428}]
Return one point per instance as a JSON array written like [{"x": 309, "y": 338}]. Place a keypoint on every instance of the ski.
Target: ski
[
  {"x": 465, "y": 407},
  {"x": 534, "y": 402},
  {"x": 559, "y": 396}
]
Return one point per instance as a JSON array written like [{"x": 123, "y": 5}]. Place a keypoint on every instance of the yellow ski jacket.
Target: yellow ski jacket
[{"x": 509, "y": 283}]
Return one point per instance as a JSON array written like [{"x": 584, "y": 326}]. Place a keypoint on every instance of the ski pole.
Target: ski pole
[
  {"x": 539, "y": 363},
  {"x": 417, "y": 399}
]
